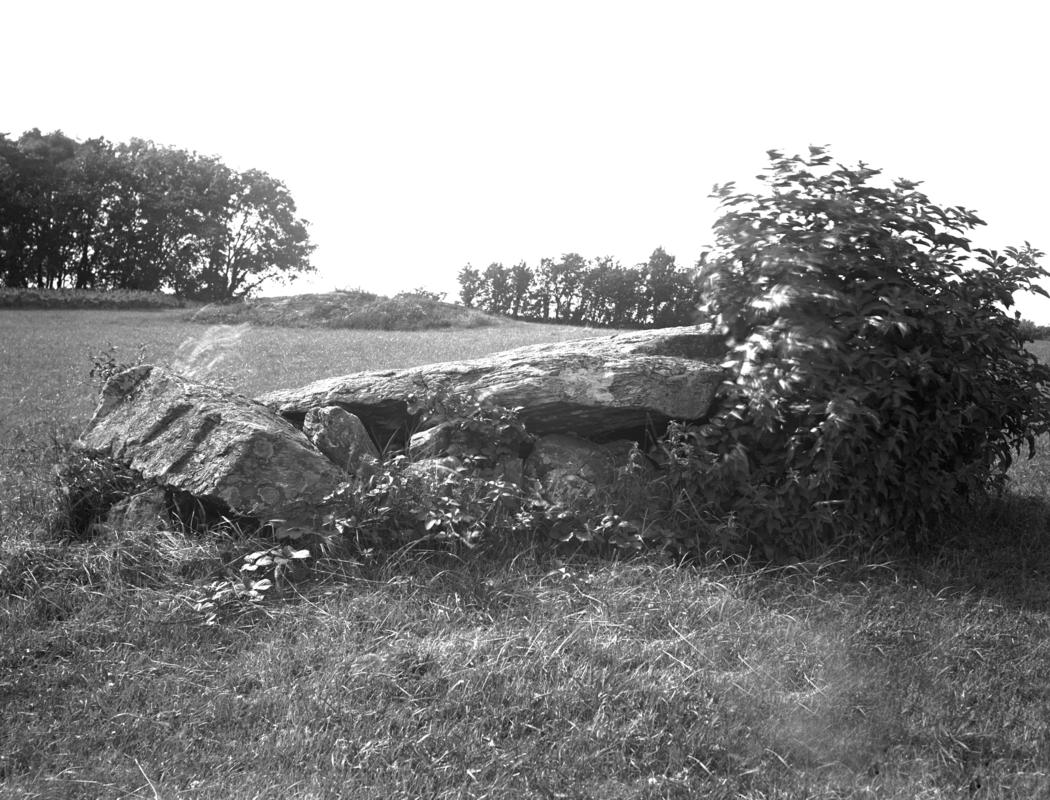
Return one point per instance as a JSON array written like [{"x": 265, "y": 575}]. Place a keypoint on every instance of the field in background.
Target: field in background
[
  {"x": 348, "y": 309},
  {"x": 515, "y": 672},
  {"x": 45, "y": 356},
  {"x": 344, "y": 308}
]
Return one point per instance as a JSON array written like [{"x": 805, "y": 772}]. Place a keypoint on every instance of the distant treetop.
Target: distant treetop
[
  {"x": 141, "y": 216},
  {"x": 576, "y": 291}
]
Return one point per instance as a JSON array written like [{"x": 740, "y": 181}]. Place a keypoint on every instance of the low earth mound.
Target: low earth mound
[
  {"x": 88, "y": 298},
  {"x": 362, "y": 310}
]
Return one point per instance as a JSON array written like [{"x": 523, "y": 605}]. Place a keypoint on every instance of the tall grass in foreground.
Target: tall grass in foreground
[
  {"x": 522, "y": 672},
  {"x": 516, "y": 670}
]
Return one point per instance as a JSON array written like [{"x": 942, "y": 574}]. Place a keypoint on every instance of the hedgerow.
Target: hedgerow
[
  {"x": 876, "y": 376},
  {"x": 88, "y": 298}
]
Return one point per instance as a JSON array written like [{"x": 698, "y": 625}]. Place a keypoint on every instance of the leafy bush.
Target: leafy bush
[
  {"x": 107, "y": 362},
  {"x": 464, "y": 497},
  {"x": 425, "y": 293},
  {"x": 466, "y": 484},
  {"x": 401, "y": 505},
  {"x": 260, "y": 572},
  {"x": 876, "y": 379}
]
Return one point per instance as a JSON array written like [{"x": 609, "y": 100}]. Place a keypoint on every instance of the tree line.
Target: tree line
[
  {"x": 137, "y": 215},
  {"x": 579, "y": 291}
]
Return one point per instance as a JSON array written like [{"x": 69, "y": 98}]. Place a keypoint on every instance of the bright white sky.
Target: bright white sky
[{"x": 420, "y": 136}]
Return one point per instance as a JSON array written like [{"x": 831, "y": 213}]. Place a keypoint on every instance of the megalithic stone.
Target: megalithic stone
[
  {"x": 599, "y": 388},
  {"x": 216, "y": 445}
]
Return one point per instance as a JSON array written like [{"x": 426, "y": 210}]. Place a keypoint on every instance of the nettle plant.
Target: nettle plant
[
  {"x": 400, "y": 506},
  {"x": 876, "y": 375},
  {"x": 463, "y": 502},
  {"x": 260, "y": 573},
  {"x": 482, "y": 493},
  {"x": 107, "y": 362}
]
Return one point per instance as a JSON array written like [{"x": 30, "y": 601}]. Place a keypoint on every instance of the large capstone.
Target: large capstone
[{"x": 603, "y": 388}]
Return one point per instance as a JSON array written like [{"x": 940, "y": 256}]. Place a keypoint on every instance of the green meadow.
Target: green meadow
[{"x": 517, "y": 670}]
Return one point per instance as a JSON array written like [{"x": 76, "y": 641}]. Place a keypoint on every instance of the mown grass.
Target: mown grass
[{"x": 514, "y": 671}]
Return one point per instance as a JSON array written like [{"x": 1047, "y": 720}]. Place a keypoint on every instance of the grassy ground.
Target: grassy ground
[
  {"x": 347, "y": 309},
  {"x": 46, "y": 355},
  {"x": 339, "y": 309},
  {"x": 517, "y": 671}
]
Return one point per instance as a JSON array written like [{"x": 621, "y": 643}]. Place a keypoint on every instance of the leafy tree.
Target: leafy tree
[
  {"x": 611, "y": 294},
  {"x": 521, "y": 278},
  {"x": 543, "y": 290},
  {"x": 578, "y": 291},
  {"x": 495, "y": 294},
  {"x": 94, "y": 178},
  {"x": 876, "y": 377},
  {"x": 156, "y": 230},
  {"x": 37, "y": 201},
  {"x": 669, "y": 295},
  {"x": 252, "y": 237},
  {"x": 591, "y": 306},
  {"x": 658, "y": 284},
  {"x": 469, "y": 285},
  {"x": 12, "y": 215},
  {"x": 139, "y": 216},
  {"x": 567, "y": 277}
]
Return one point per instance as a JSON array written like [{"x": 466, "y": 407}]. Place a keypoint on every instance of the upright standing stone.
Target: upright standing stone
[{"x": 340, "y": 435}]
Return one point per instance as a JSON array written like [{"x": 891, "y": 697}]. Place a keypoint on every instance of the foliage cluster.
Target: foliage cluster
[
  {"x": 401, "y": 505},
  {"x": 140, "y": 216},
  {"x": 877, "y": 378},
  {"x": 260, "y": 574},
  {"x": 108, "y": 362},
  {"x": 465, "y": 498},
  {"x": 577, "y": 291},
  {"x": 476, "y": 491},
  {"x": 425, "y": 293},
  {"x": 85, "y": 488}
]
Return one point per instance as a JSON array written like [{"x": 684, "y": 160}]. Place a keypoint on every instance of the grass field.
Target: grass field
[{"x": 517, "y": 671}]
